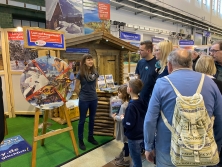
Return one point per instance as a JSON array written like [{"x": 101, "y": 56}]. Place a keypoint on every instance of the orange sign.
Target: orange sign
[
  {"x": 47, "y": 37},
  {"x": 104, "y": 11},
  {"x": 15, "y": 36}
]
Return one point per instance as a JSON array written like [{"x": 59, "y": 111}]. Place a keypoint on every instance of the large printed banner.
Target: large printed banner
[
  {"x": 186, "y": 44},
  {"x": 129, "y": 36},
  {"x": 41, "y": 38},
  {"x": 96, "y": 13},
  {"x": 19, "y": 56},
  {"x": 66, "y": 16},
  {"x": 156, "y": 40}
]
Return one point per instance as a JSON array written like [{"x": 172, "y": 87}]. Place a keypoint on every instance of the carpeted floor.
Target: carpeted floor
[{"x": 57, "y": 150}]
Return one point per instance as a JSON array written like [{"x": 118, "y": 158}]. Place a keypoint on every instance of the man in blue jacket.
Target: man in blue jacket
[{"x": 164, "y": 98}]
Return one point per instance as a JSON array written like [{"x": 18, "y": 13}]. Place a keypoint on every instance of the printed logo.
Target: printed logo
[{"x": 40, "y": 43}]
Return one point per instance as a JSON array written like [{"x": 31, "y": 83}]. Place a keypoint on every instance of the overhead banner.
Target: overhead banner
[
  {"x": 66, "y": 16},
  {"x": 156, "y": 40},
  {"x": 206, "y": 34},
  {"x": 19, "y": 55},
  {"x": 186, "y": 44},
  {"x": 96, "y": 15},
  {"x": 129, "y": 36},
  {"x": 42, "y": 38}
]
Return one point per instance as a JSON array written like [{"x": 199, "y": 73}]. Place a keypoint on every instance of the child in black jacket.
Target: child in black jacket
[{"x": 133, "y": 121}]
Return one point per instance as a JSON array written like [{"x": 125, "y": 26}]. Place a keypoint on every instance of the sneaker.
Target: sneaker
[
  {"x": 122, "y": 162},
  {"x": 120, "y": 156},
  {"x": 92, "y": 140},
  {"x": 82, "y": 145}
]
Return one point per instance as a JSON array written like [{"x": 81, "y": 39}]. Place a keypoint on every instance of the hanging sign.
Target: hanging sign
[
  {"x": 42, "y": 38},
  {"x": 186, "y": 42},
  {"x": 129, "y": 36},
  {"x": 77, "y": 50},
  {"x": 206, "y": 34},
  {"x": 104, "y": 11},
  {"x": 157, "y": 40}
]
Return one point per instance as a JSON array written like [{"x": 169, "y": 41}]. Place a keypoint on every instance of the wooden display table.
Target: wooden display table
[{"x": 104, "y": 124}]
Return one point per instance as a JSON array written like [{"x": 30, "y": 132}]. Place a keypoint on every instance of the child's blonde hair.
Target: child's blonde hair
[
  {"x": 136, "y": 85},
  {"x": 123, "y": 89}
]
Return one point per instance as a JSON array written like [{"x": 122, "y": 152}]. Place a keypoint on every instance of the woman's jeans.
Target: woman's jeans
[
  {"x": 83, "y": 108},
  {"x": 135, "y": 152}
]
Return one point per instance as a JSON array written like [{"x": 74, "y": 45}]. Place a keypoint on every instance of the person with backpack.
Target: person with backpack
[{"x": 181, "y": 112}]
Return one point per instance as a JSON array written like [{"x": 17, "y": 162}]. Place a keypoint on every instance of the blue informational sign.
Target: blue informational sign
[
  {"x": 77, "y": 50},
  {"x": 157, "y": 40},
  {"x": 43, "y": 39},
  {"x": 206, "y": 34},
  {"x": 129, "y": 36},
  {"x": 13, "y": 147},
  {"x": 186, "y": 42}
]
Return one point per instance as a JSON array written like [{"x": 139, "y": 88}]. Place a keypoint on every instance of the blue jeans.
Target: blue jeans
[
  {"x": 163, "y": 159},
  {"x": 83, "y": 108},
  {"x": 135, "y": 152}
]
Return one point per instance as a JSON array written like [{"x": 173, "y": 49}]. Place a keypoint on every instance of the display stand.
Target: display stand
[
  {"x": 104, "y": 124},
  {"x": 45, "y": 135}
]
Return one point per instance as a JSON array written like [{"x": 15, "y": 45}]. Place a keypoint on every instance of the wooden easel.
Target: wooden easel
[{"x": 44, "y": 135}]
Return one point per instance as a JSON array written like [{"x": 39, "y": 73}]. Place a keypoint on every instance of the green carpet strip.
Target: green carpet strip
[{"x": 58, "y": 149}]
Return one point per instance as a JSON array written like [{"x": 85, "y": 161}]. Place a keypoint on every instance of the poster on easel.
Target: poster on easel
[
  {"x": 19, "y": 55},
  {"x": 109, "y": 81},
  {"x": 47, "y": 82}
]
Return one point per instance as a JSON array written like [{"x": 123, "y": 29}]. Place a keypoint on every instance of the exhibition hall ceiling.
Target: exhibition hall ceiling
[{"x": 155, "y": 11}]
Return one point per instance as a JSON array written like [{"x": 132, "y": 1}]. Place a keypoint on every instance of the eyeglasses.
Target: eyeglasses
[{"x": 214, "y": 51}]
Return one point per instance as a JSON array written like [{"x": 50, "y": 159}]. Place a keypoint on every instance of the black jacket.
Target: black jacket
[
  {"x": 2, "y": 124},
  {"x": 134, "y": 119}
]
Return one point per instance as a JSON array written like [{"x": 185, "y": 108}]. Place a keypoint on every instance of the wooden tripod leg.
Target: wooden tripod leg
[
  {"x": 45, "y": 119},
  {"x": 35, "y": 134},
  {"x": 71, "y": 132}
]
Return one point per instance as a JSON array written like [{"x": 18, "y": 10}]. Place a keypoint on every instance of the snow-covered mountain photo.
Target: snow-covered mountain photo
[{"x": 66, "y": 16}]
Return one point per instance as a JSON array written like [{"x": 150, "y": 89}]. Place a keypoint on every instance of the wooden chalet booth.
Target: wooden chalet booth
[{"x": 108, "y": 54}]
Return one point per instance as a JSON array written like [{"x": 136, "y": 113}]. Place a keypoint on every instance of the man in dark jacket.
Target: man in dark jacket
[{"x": 2, "y": 124}]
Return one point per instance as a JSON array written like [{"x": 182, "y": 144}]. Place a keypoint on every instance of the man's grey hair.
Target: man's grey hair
[{"x": 179, "y": 61}]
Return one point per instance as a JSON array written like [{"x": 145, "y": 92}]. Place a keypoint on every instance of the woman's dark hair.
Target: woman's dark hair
[
  {"x": 84, "y": 71},
  {"x": 57, "y": 59},
  {"x": 123, "y": 89}
]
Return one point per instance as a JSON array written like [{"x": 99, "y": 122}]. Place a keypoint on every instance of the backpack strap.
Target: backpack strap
[
  {"x": 166, "y": 122},
  {"x": 174, "y": 88},
  {"x": 201, "y": 84}
]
